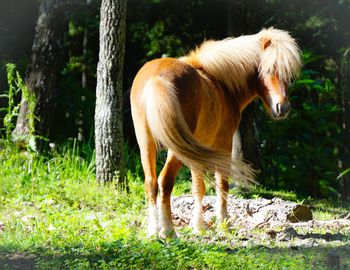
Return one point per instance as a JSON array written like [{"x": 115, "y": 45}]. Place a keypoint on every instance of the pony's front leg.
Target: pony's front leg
[
  {"x": 222, "y": 188},
  {"x": 198, "y": 190},
  {"x": 166, "y": 182}
]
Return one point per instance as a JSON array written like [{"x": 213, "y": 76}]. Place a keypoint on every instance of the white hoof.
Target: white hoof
[
  {"x": 197, "y": 226},
  {"x": 152, "y": 231},
  {"x": 167, "y": 234}
]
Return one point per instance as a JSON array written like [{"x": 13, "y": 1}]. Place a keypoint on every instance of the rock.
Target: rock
[
  {"x": 299, "y": 213},
  {"x": 287, "y": 234},
  {"x": 250, "y": 212}
]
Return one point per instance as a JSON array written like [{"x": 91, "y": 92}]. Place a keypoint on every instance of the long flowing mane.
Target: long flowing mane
[{"x": 232, "y": 59}]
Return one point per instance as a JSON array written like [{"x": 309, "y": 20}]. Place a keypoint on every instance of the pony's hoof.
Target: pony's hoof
[
  {"x": 198, "y": 231},
  {"x": 152, "y": 232},
  {"x": 197, "y": 226}
]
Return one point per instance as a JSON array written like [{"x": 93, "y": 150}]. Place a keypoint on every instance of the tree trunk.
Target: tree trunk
[
  {"x": 84, "y": 75},
  {"x": 345, "y": 123},
  {"x": 108, "y": 112},
  {"x": 240, "y": 21},
  {"x": 43, "y": 71},
  {"x": 249, "y": 136},
  {"x": 85, "y": 52}
]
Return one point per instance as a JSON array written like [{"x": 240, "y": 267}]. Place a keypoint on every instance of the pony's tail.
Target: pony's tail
[{"x": 169, "y": 128}]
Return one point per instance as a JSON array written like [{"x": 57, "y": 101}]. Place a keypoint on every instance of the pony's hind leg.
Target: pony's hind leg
[
  {"x": 148, "y": 159},
  {"x": 166, "y": 182},
  {"x": 148, "y": 152},
  {"x": 222, "y": 188},
  {"x": 198, "y": 190}
]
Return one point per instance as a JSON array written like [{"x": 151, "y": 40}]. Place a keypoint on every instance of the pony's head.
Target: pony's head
[
  {"x": 280, "y": 63},
  {"x": 272, "y": 53}
]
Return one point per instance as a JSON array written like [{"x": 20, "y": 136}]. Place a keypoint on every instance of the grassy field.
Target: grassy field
[{"x": 53, "y": 215}]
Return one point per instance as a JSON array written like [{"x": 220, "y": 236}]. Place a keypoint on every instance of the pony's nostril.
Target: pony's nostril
[
  {"x": 278, "y": 108},
  {"x": 281, "y": 109}
]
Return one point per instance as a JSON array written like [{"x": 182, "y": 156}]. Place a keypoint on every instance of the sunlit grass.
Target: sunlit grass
[{"x": 52, "y": 207}]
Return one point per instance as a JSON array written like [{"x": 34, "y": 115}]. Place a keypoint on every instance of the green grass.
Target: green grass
[{"x": 55, "y": 216}]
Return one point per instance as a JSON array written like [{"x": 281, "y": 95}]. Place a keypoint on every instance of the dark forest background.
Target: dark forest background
[{"x": 308, "y": 153}]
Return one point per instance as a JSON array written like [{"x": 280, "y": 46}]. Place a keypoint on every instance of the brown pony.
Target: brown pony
[{"x": 193, "y": 105}]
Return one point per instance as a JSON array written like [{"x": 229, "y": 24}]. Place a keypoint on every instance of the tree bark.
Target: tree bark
[
  {"x": 240, "y": 21},
  {"x": 84, "y": 75},
  {"x": 345, "y": 123},
  {"x": 108, "y": 111},
  {"x": 249, "y": 136},
  {"x": 43, "y": 71}
]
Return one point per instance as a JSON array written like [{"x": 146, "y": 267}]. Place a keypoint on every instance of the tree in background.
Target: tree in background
[
  {"x": 344, "y": 160},
  {"x": 241, "y": 19},
  {"x": 108, "y": 111},
  {"x": 306, "y": 153},
  {"x": 43, "y": 71}
]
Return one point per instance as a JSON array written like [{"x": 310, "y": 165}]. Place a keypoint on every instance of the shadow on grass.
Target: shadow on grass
[
  {"x": 176, "y": 254},
  {"x": 17, "y": 261},
  {"x": 325, "y": 236}
]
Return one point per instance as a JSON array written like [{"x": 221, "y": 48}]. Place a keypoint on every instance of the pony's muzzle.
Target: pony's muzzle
[{"x": 281, "y": 110}]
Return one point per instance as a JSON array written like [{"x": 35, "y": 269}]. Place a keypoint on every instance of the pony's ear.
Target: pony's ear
[{"x": 265, "y": 42}]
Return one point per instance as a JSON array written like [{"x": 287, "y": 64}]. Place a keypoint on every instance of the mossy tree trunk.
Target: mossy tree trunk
[
  {"x": 108, "y": 111},
  {"x": 43, "y": 71}
]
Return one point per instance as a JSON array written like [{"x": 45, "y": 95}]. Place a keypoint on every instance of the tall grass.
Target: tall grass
[{"x": 52, "y": 207}]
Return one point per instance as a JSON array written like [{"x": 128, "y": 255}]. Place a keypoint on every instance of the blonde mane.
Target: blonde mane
[{"x": 232, "y": 59}]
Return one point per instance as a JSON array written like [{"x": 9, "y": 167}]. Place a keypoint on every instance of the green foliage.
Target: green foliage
[
  {"x": 12, "y": 109},
  {"x": 52, "y": 209},
  {"x": 169, "y": 28},
  {"x": 343, "y": 173},
  {"x": 16, "y": 87},
  {"x": 156, "y": 42},
  {"x": 74, "y": 29},
  {"x": 301, "y": 152},
  {"x": 75, "y": 109},
  {"x": 76, "y": 102}
]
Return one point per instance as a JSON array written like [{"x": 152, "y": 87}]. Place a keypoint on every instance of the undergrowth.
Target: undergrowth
[{"x": 52, "y": 208}]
